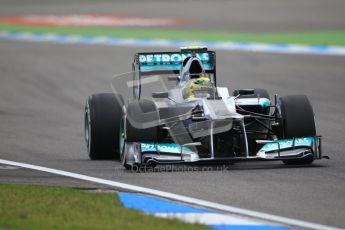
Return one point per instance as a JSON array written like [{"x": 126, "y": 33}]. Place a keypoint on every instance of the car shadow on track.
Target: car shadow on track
[{"x": 220, "y": 167}]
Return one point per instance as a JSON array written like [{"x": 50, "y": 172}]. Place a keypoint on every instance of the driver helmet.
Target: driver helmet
[{"x": 191, "y": 69}]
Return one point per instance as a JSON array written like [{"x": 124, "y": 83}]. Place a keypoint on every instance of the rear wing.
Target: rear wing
[
  {"x": 156, "y": 63},
  {"x": 168, "y": 62}
]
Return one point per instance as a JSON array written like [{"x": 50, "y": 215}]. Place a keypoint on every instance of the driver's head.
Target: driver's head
[
  {"x": 202, "y": 80},
  {"x": 191, "y": 69}
]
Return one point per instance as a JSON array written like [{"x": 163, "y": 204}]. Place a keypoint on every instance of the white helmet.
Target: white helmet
[{"x": 191, "y": 68}]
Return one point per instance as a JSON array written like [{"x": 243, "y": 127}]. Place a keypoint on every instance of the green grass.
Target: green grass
[
  {"x": 39, "y": 207},
  {"x": 336, "y": 38}
]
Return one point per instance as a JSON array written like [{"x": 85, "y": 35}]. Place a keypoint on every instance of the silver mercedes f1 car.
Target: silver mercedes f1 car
[{"x": 176, "y": 113}]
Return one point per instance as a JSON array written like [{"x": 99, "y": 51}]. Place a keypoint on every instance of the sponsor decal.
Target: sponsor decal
[
  {"x": 89, "y": 20},
  {"x": 304, "y": 141},
  {"x": 166, "y": 147},
  {"x": 170, "y": 58},
  {"x": 265, "y": 102}
]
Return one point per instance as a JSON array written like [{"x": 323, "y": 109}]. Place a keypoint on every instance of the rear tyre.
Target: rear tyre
[
  {"x": 297, "y": 121},
  {"x": 102, "y": 120}
]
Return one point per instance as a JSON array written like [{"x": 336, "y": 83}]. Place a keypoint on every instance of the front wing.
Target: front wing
[{"x": 170, "y": 153}]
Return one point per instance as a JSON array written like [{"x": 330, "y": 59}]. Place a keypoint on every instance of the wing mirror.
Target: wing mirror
[
  {"x": 160, "y": 94},
  {"x": 246, "y": 91}
]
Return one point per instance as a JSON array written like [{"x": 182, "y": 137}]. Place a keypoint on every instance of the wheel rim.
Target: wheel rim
[
  {"x": 87, "y": 128},
  {"x": 122, "y": 139}
]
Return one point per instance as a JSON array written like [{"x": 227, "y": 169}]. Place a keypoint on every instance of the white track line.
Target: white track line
[{"x": 190, "y": 200}]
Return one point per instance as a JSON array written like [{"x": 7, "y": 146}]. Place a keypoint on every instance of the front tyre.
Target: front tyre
[
  {"x": 102, "y": 119},
  {"x": 297, "y": 121}
]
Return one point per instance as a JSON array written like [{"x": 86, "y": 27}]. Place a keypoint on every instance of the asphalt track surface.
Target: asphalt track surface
[{"x": 43, "y": 88}]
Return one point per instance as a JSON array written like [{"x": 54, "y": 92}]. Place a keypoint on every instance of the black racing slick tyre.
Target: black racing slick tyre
[
  {"x": 142, "y": 120},
  {"x": 102, "y": 121},
  {"x": 297, "y": 121},
  {"x": 297, "y": 117}
]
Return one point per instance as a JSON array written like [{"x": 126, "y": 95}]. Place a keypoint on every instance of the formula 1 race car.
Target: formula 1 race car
[{"x": 194, "y": 120}]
